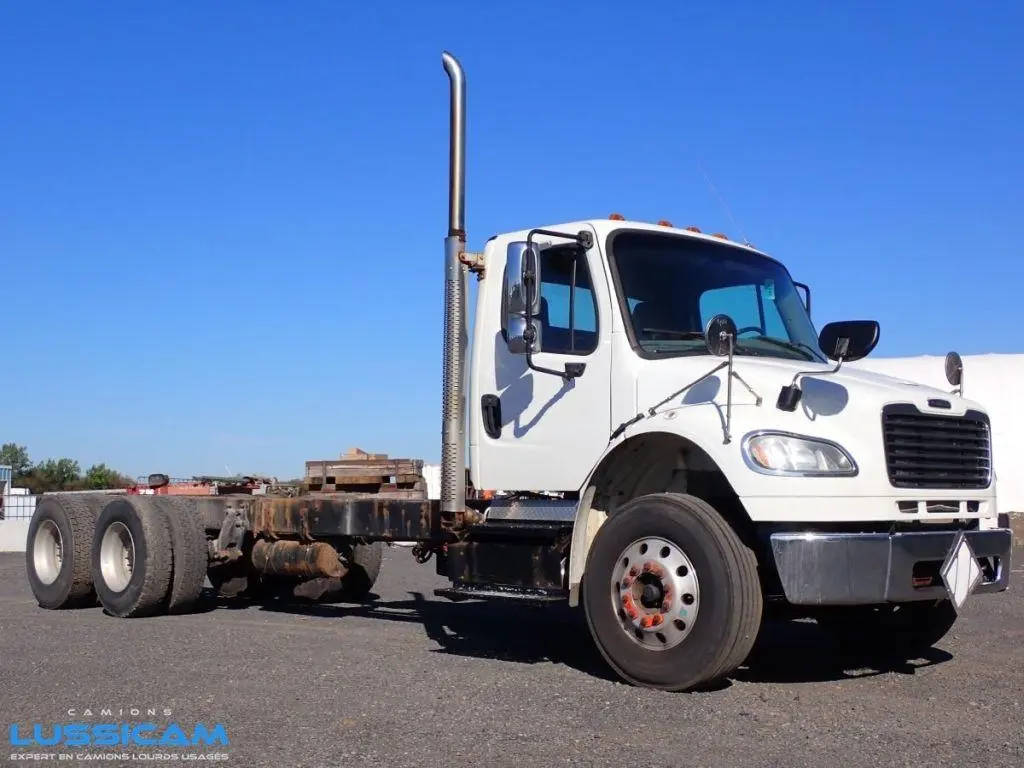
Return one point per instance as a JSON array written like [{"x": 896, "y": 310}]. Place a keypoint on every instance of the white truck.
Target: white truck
[{"x": 679, "y": 453}]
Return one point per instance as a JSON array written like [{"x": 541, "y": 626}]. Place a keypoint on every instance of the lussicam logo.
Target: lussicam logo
[{"x": 117, "y": 735}]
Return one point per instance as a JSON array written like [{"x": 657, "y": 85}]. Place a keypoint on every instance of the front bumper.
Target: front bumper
[{"x": 872, "y": 568}]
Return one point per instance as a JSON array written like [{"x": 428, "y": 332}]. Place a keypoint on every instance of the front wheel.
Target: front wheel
[{"x": 671, "y": 593}]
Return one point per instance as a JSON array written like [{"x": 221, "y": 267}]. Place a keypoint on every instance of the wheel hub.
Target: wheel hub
[
  {"x": 655, "y": 593},
  {"x": 117, "y": 556},
  {"x": 651, "y": 595},
  {"x": 48, "y": 552}
]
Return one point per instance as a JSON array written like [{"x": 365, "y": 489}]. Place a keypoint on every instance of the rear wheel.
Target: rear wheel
[
  {"x": 671, "y": 593},
  {"x": 132, "y": 557},
  {"x": 189, "y": 551},
  {"x": 57, "y": 552}
]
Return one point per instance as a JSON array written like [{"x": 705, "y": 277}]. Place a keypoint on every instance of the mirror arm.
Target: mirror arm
[
  {"x": 583, "y": 238},
  {"x": 789, "y": 395},
  {"x": 572, "y": 370}
]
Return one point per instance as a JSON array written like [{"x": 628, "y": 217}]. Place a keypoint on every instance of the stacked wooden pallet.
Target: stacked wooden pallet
[{"x": 360, "y": 472}]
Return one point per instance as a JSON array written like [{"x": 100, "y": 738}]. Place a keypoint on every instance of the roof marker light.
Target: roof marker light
[
  {"x": 664, "y": 223},
  {"x": 692, "y": 229},
  {"x": 617, "y": 217},
  {"x": 720, "y": 236}
]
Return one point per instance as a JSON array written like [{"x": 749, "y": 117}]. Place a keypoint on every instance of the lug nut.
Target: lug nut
[{"x": 629, "y": 607}]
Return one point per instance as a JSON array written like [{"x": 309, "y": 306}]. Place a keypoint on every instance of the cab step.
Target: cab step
[{"x": 459, "y": 592}]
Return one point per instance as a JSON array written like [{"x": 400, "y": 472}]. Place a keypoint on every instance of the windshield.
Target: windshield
[{"x": 672, "y": 286}]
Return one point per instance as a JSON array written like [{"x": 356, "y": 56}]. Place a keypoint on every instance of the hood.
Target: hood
[
  {"x": 849, "y": 391},
  {"x": 782, "y": 372},
  {"x": 843, "y": 408}
]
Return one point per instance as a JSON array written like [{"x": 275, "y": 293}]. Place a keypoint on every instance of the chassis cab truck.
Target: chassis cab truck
[{"x": 656, "y": 434}]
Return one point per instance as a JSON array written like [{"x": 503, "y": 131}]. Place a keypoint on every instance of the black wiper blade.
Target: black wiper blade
[
  {"x": 795, "y": 346},
  {"x": 676, "y": 334}
]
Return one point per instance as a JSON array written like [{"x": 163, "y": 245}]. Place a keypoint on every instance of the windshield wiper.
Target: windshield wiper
[
  {"x": 795, "y": 346},
  {"x": 676, "y": 334}
]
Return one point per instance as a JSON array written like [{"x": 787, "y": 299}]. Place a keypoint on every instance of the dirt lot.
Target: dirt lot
[{"x": 413, "y": 680}]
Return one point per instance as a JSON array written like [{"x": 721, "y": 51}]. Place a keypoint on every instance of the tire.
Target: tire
[
  {"x": 720, "y": 604},
  {"x": 133, "y": 530},
  {"x": 58, "y": 548},
  {"x": 364, "y": 567},
  {"x": 190, "y": 552},
  {"x": 897, "y": 629}
]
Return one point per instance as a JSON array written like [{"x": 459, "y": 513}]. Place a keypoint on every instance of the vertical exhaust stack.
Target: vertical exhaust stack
[{"x": 453, "y": 428}]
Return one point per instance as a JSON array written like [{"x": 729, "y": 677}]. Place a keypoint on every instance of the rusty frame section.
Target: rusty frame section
[{"x": 317, "y": 516}]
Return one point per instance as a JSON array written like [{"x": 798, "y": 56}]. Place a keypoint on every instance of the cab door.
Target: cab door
[{"x": 535, "y": 429}]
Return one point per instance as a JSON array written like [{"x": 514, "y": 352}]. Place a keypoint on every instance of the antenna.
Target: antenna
[{"x": 721, "y": 201}]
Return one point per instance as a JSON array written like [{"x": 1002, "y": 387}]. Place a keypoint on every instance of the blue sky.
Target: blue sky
[{"x": 221, "y": 224}]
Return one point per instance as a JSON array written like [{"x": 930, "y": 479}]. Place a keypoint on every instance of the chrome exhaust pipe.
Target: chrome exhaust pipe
[
  {"x": 453, "y": 428},
  {"x": 457, "y": 149}
]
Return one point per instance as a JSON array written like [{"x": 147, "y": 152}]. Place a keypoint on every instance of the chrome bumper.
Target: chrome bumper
[{"x": 870, "y": 568}]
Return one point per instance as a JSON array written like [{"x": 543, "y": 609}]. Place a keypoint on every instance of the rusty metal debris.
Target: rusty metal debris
[{"x": 290, "y": 558}]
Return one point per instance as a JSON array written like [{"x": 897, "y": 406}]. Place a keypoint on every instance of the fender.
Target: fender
[{"x": 649, "y": 437}]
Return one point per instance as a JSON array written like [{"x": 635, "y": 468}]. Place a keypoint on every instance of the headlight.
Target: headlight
[{"x": 785, "y": 454}]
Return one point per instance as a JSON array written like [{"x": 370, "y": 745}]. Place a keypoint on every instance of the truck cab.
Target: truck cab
[
  {"x": 629, "y": 309},
  {"x": 620, "y": 365}
]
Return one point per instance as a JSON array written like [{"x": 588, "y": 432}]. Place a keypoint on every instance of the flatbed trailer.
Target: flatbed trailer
[{"x": 672, "y": 476}]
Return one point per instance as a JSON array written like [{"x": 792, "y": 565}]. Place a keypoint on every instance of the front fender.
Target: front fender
[{"x": 626, "y": 462}]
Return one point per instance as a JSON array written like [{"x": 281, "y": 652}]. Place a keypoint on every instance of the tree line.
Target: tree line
[{"x": 58, "y": 474}]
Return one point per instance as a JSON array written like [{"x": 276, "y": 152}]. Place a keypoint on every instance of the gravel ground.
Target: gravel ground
[{"x": 413, "y": 680}]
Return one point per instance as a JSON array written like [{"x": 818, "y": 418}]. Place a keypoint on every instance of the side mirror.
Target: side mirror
[
  {"x": 955, "y": 371},
  {"x": 521, "y": 298},
  {"x": 720, "y": 335},
  {"x": 849, "y": 340},
  {"x": 843, "y": 341}
]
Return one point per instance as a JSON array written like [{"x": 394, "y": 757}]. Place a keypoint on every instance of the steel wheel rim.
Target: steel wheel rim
[
  {"x": 117, "y": 556},
  {"x": 48, "y": 552},
  {"x": 655, "y": 593}
]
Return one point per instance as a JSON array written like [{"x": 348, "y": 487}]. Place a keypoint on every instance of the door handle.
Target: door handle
[{"x": 490, "y": 411}]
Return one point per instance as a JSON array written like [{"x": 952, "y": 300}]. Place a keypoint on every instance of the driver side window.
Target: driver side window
[{"x": 568, "y": 312}]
